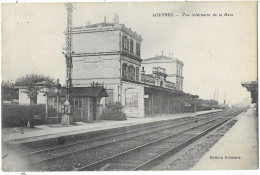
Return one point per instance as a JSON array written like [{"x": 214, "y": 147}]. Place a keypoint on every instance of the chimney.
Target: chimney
[
  {"x": 105, "y": 19},
  {"x": 162, "y": 52},
  {"x": 142, "y": 72},
  {"x": 116, "y": 19},
  {"x": 87, "y": 23}
]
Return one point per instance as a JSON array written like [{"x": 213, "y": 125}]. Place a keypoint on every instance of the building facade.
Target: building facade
[
  {"x": 110, "y": 53},
  {"x": 40, "y": 98},
  {"x": 173, "y": 67}
]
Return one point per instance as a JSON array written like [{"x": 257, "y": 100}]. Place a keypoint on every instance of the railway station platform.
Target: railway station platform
[
  {"x": 53, "y": 131},
  {"x": 237, "y": 149}
]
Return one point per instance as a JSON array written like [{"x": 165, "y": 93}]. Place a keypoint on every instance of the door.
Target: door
[{"x": 77, "y": 109}]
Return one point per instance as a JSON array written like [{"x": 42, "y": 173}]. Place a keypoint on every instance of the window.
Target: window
[
  {"x": 128, "y": 72},
  {"x": 124, "y": 70},
  {"x": 133, "y": 73},
  {"x": 78, "y": 103},
  {"x": 138, "y": 49},
  {"x": 125, "y": 43},
  {"x": 137, "y": 74},
  {"x": 131, "y": 46}
]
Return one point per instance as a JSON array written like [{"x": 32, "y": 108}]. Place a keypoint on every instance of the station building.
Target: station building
[{"x": 110, "y": 53}]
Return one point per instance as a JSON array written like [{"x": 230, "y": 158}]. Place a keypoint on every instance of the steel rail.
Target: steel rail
[
  {"x": 117, "y": 134},
  {"x": 147, "y": 128},
  {"x": 105, "y": 144},
  {"x": 168, "y": 153},
  {"x": 104, "y": 137},
  {"x": 100, "y": 138},
  {"x": 92, "y": 165}
]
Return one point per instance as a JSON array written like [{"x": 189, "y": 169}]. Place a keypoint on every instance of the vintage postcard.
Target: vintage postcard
[{"x": 129, "y": 86}]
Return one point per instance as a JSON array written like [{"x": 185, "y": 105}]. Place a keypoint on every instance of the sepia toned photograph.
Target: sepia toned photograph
[{"x": 129, "y": 86}]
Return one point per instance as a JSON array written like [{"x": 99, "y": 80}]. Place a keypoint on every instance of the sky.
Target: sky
[{"x": 219, "y": 52}]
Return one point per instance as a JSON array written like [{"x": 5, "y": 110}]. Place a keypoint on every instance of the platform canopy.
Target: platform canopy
[
  {"x": 82, "y": 92},
  {"x": 252, "y": 86}
]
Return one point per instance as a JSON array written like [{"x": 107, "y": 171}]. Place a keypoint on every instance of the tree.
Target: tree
[
  {"x": 8, "y": 91},
  {"x": 30, "y": 80}
]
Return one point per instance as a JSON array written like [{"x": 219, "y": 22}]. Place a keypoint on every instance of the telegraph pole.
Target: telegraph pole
[{"x": 66, "y": 117}]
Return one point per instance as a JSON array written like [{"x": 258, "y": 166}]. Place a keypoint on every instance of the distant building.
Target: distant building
[
  {"x": 85, "y": 101},
  {"x": 173, "y": 68},
  {"x": 41, "y": 95}
]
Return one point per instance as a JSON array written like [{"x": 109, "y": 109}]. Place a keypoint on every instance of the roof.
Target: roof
[
  {"x": 250, "y": 86},
  {"x": 83, "y": 92},
  {"x": 103, "y": 24},
  {"x": 45, "y": 83},
  {"x": 39, "y": 84},
  {"x": 163, "y": 58},
  {"x": 160, "y": 57},
  {"x": 150, "y": 88},
  {"x": 89, "y": 91},
  {"x": 106, "y": 26}
]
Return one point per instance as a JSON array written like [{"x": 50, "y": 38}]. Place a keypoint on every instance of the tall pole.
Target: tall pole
[
  {"x": 66, "y": 117},
  {"x": 69, "y": 8}
]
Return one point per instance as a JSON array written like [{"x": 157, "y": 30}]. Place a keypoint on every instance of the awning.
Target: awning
[{"x": 82, "y": 92}]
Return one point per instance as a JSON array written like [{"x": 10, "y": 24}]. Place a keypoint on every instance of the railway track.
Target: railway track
[
  {"x": 109, "y": 134},
  {"x": 156, "y": 151},
  {"x": 97, "y": 153}
]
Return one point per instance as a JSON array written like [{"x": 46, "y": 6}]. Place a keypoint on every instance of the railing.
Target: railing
[
  {"x": 170, "y": 85},
  {"x": 147, "y": 79}
]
